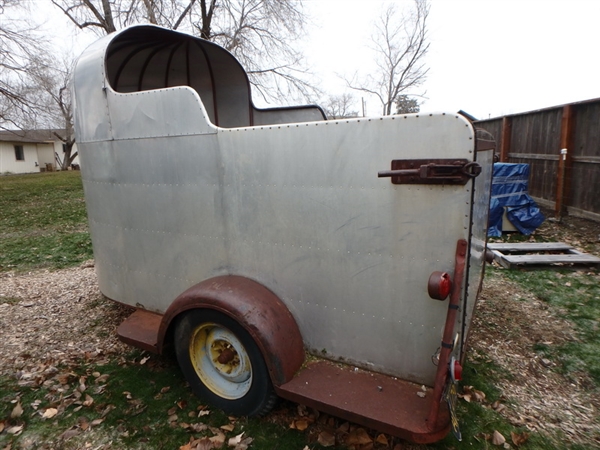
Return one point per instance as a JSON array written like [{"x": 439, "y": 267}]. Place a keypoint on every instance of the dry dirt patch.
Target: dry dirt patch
[
  {"x": 59, "y": 317},
  {"x": 508, "y": 324},
  {"x": 49, "y": 318}
]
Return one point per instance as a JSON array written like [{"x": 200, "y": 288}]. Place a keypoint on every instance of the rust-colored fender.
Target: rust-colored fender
[{"x": 255, "y": 308}]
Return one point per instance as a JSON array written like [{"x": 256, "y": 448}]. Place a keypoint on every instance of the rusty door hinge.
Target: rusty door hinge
[{"x": 432, "y": 171}]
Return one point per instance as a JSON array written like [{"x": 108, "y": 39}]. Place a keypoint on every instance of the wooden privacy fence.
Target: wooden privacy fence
[{"x": 562, "y": 146}]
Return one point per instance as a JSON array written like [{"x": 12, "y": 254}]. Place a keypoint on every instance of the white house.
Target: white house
[{"x": 27, "y": 151}]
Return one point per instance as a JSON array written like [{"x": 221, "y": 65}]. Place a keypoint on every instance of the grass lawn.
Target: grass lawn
[
  {"x": 135, "y": 400},
  {"x": 43, "y": 221}
]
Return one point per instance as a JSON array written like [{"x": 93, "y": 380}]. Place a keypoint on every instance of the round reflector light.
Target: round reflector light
[{"x": 439, "y": 285}]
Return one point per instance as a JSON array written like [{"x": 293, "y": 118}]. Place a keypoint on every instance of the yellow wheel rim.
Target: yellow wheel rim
[{"x": 220, "y": 361}]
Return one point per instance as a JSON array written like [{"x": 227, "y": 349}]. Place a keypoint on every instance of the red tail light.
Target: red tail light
[
  {"x": 455, "y": 370},
  {"x": 439, "y": 285}
]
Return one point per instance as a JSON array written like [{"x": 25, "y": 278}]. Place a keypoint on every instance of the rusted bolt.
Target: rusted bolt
[{"x": 226, "y": 356}]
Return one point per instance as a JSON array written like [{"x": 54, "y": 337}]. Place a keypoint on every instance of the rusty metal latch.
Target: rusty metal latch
[{"x": 432, "y": 171}]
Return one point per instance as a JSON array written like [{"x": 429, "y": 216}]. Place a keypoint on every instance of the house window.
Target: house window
[
  {"x": 64, "y": 148},
  {"x": 19, "y": 153}
]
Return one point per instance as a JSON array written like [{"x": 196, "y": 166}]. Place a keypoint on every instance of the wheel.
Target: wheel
[{"x": 223, "y": 364}]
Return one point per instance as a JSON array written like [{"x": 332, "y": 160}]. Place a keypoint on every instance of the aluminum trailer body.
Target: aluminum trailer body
[{"x": 198, "y": 201}]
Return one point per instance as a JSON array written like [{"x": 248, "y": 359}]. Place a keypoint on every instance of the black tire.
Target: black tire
[{"x": 223, "y": 364}]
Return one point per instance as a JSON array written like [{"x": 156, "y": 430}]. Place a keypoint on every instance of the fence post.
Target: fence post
[
  {"x": 565, "y": 161},
  {"x": 506, "y": 138}
]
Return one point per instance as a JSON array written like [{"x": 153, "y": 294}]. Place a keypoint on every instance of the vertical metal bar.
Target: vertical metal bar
[
  {"x": 565, "y": 161},
  {"x": 447, "y": 339},
  {"x": 506, "y": 138}
]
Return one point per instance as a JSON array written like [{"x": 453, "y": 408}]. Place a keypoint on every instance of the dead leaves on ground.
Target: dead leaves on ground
[
  {"x": 498, "y": 439},
  {"x": 329, "y": 431}
]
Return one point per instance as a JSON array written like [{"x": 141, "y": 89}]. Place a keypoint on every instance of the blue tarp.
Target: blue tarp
[{"x": 509, "y": 190}]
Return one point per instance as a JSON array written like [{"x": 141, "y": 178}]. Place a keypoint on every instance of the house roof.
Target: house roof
[{"x": 31, "y": 136}]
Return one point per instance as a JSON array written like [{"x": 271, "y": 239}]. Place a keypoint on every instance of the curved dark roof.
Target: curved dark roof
[{"x": 146, "y": 57}]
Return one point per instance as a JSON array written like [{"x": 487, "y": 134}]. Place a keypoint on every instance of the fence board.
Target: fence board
[{"x": 535, "y": 139}]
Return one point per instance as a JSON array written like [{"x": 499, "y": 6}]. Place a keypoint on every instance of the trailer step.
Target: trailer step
[
  {"x": 370, "y": 399},
  {"x": 539, "y": 254},
  {"x": 141, "y": 330}
]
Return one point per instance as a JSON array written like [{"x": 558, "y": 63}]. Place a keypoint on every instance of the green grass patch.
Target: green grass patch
[
  {"x": 127, "y": 404},
  {"x": 577, "y": 296},
  {"x": 43, "y": 223},
  {"x": 479, "y": 419}
]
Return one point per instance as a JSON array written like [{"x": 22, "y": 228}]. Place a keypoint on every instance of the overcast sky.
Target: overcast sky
[{"x": 487, "y": 57}]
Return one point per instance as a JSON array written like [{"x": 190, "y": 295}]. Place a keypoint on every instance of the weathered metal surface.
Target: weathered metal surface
[
  {"x": 257, "y": 309},
  {"x": 385, "y": 403},
  {"x": 428, "y": 171},
  {"x": 480, "y": 206},
  {"x": 174, "y": 200},
  {"x": 448, "y": 341},
  {"x": 141, "y": 330}
]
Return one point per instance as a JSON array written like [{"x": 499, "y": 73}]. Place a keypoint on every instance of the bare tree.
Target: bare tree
[
  {"x": 55, "y": 106},
  {"x": 107, "y": 16},
  {"x": 260, "y": 33},
  {"x": 19, "y": 44},
  {"x": 339, "y": 106},
  {"x": 400, "y": 44}
]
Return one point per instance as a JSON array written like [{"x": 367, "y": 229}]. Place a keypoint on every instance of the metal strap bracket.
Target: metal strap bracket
[{"x": 432, "y": 171}]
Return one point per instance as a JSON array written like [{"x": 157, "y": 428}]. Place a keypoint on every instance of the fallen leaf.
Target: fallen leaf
[
  {"x": 71, "y": 432},
  {"x": 203, "y": 444},
  {"x": 519, "y": 439},
  {"x": 1, "y": 427},
  {"x": 326, "y": 439},
  {"x": 88, "y": 400},
  {"x": 102, "y": 379},
  {"x": 497, "y": 438},
  {"x": 50, "y": 413},
  {"x": 173, "y": 418},
  {"x": 198, "y": 427},
  {"x": 187, "y": 446},
  {"x": 381, "y": 439},
  {"x": 16, "y": 430},
  {"x": 17, "y": 411},
  {"x": 421, "y": 394},
  {"x": 96, "y": 422},
  {"x": 358, "y": 437},
  {"x": 172, "y": 411},
  {"x": 165, "y": 389},
  {"x": 228, "y": 427},
  {"x": 218, "y": 439},
  {"x": 144, "y": 360},
  {"x": 235, "y": 440},
  {"x": 301, "y": 424},
  {"x": 181, "y": 404},
  {"x": 84, "y": 423},
  {"x": 244, "y": 444},
  {"x": 204, "y": 412},
  {"x": 343, "y": 428}
]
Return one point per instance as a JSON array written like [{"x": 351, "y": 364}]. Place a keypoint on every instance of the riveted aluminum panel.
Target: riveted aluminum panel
[
  {"x": 479, "y": 229},
  {"x": 300, "y": 209},
  {"x": 348, "y": 252},
  {"x": 175, "y": 111},
  {"x": 89, "y": 100}
]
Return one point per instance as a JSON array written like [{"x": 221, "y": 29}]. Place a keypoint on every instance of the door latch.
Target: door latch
[{"x": 432, "y": 171}]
